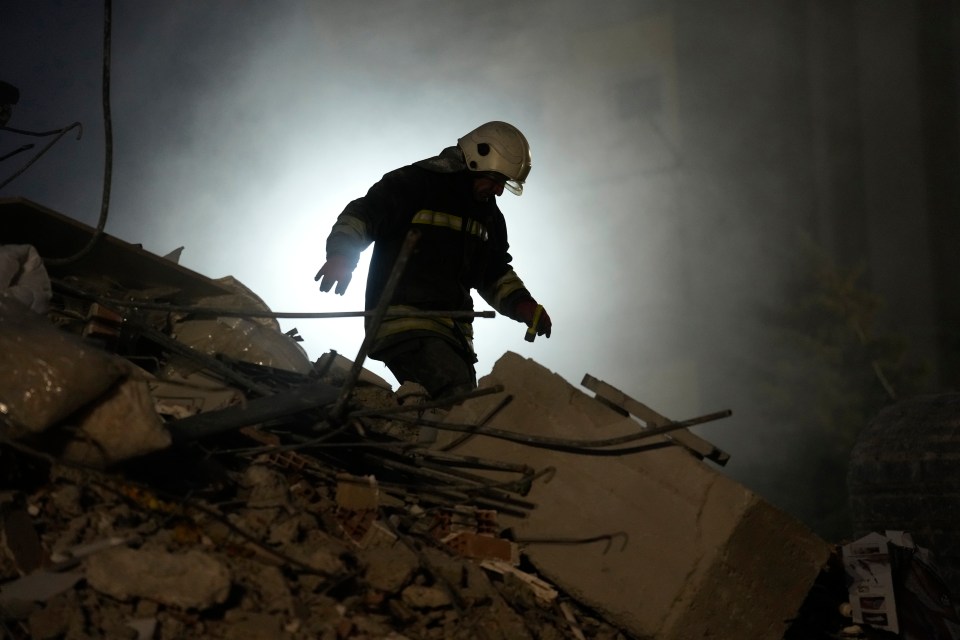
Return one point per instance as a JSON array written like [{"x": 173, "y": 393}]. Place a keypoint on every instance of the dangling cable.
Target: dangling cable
[
  {"x": 108, "y": 146},
  {"x": 59, "y": 133},
  {"x": 20, "y": 149}
]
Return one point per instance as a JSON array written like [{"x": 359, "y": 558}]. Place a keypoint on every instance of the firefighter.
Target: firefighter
[{"x": 451, "y": 200}]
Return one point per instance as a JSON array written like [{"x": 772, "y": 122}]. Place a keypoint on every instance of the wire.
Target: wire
[
  {"x": 108, "y": 144},
  {"x": 20, "y": 149},
  {"x": 586, "y": 447},
  {"x": 198, "y": 310},
  {"x": 59, "y": 133}
]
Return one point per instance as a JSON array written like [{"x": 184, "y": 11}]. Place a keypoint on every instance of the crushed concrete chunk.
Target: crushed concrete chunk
[
  {"x": 17, "y": 597},
  {"x": 267, "y": 487},
  {"x": 259, "y": 340},
  {"x": 188, "y": 580},
  {"x": 272, "y": 589},
  {"x": 121, "y": 425},
  {"x": 249, "y": 625},
  {"x": 338, "y": 368},
  {"x": 389, "y": 568},
  {"x": 145, "y": 628},
  {"x": 24, "y": 277},
  {"x": 319, "y": 558},
  {"x": 46, "y": 373},
  {"x": 422, "y": 597},
  {"x": 52, "y": 620},
  {"x": 285, "y": 531},
  {"x": 472, "y": 582},
  {"x": 540, "y": 589},
  {"x": 704, "y": 552},
  {"x": 184, "y": 396}
]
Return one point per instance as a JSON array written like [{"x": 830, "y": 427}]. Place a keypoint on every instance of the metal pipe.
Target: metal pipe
[
  {"x": 258, "y": 313},
  {"x": 574, "y": 446},
  {"x": 208, "y": 362},
  {"x": 386, "y": 296},
  {"x": 479, "y": 488}
]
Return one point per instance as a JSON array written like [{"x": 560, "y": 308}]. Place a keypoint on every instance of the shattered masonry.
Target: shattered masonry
[{"x": 172, "y": 469}]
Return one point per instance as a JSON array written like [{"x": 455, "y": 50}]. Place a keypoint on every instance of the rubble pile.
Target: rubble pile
[
  {"x": 172, "y": 465},
  {"x": 246, "y": 533},
  {"x": 93, "y": 555}
]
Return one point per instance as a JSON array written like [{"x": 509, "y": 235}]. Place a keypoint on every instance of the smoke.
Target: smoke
[
  {"x": 242, "y": 129},
  {"x": 669, "y": 169}
]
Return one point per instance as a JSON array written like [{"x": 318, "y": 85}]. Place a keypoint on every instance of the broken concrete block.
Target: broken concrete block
[
  {"x": 286, "y": 530},
  {"x": 243, "y": 340},
  {"x": 46, "y": 373},
  {"x": 337, "y": 367},
  {"x": 473, "y": 583},
  {"x": 274, "y": 592},
  {"x": 388, "y": 568},
  {"x": 145, "y": 628},
  {"x": 268, "y": 488},
  {"x": 51, "y": 621},
  {"x": 320, "y": 558},
  {"x": 706, "y": 557},
  {"x": 257, "y": 340},
  {"x": 422, "y": 597},
  {"x": 24, "y": 277},
  {"x": 17, "y": 597},
  {"x": 184, "y": 396},
  {"x": 540, "y": 589},
  {"x": 191, "y": 580},
  {"x": 251, "y": 625},
  {"x": 121, "y": 425}
]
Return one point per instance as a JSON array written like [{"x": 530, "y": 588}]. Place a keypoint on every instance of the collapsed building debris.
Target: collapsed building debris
[
  {"x": 174, "y": 466},
  {"x": 700, "y": 545}
]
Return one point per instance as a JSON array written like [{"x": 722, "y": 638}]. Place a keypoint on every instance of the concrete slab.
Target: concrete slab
[{"x": 705, "y": 557}]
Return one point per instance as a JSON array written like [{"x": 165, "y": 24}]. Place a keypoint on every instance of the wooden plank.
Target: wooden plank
[{"x": 692, "y": 442}]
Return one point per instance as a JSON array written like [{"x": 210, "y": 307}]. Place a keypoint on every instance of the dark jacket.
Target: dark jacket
[{"x": 462, "y": 246}]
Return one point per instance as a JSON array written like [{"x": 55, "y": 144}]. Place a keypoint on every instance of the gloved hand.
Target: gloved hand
[
  {"x": 337, "y": 269},
  {"x": 526, "y": 309}
]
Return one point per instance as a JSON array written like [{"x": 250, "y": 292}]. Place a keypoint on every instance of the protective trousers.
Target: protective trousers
[{"x": 440, "y": 367}]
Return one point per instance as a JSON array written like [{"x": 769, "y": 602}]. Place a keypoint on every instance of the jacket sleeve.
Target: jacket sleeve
[
  {"x": 502, "y": 288},
  {"x": 366, "y": 219},
  {"x": 504, "y": 294}
]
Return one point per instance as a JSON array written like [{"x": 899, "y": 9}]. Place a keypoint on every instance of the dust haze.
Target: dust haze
[{"x": 674, "y": 162}]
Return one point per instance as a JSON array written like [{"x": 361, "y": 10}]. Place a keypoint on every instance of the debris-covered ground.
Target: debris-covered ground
[
  {"x": 274, "y": 552},
  {"x": 172, "y": 471},
  {"x": 281, "y": 523},
  {"x": 172, "y": 465}
]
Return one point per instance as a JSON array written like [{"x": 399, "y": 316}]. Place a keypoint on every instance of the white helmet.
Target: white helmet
[{"x": 499, "y": 147}]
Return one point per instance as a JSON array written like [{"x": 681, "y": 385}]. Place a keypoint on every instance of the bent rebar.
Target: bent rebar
[
  {"x": 386, "y": 296},
  {"x": 60, "y": 133},
  {"x": 565, "y": 444}
]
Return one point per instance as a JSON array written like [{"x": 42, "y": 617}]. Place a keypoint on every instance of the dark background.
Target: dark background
[{"x": 733, "y": 204}]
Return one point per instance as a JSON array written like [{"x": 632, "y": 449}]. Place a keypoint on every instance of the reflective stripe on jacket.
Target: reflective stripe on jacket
[{"x": 462, "y": 246}]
